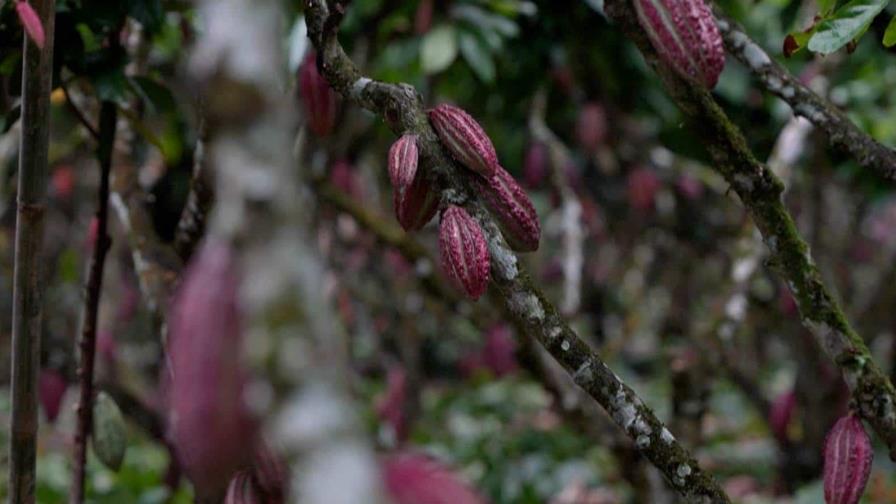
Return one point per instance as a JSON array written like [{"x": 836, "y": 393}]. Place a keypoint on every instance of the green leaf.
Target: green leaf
[
  {"x": 890, "y": 34},
  {"x": 826, "y": 6},
  {"x": 109, "y": 432},
  {"x": 438, "y": 49},
  {"x": 847, "y": 23},
  {"x": 155, "y": 94},
  {"x": 477, "y": 55}
]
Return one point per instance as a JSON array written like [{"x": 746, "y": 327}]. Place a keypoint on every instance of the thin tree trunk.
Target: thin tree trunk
[
  {"x": 37, "y": 70},
  {"x": 87, "y": 343}
]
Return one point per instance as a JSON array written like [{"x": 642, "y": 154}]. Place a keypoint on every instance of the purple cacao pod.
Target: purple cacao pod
[
  {"x": 212, "y": 429},
  {"x": 243, "y": 490},
  {"x": 403, "y": 161},
  {"x": 499, "y": 351},
  {"x": 51, "y": 389},
  {"x": 535, "y": 165},
  {"x": 416, "y": 479},
  {"x": 780, "y": 415},
  {"x": 31, "y": 22},
  {"x": 847, "y": 461},
  {"x": 270, "y": 474},
  {"x": 591, "y": 127},
  {"x": 510, "y": 205},
  {"x": 643, "y": 185},
  {"x": 415, "y": 204},
  {"x": 464, "y": 251},
  {"x": 320, "y": 100},
  {"x": 685, "y": 35},
  {"x": 464, "y": 138}
]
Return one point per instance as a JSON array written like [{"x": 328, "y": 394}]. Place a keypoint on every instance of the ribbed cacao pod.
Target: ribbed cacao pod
[
  {"x": 403, "y": 161},
  {"x": 780, "y": 415},
  {"x": 511, "y": 207},
  {"x": 51, "y": 388},
  {"x": 685, "y": 35},
  {"x": 464, "y": 251},
  {"x": 320, "y": 100},
  {"x": 31, "y": 22},
  {"x": 847, "y": 461},
  {"x": 415, "y": 204},
  {"x": 212, "y": 429},
  {"x": 464, "y": 138},
  {"x": 270, "y": 474},
  {"x": 109, "y": 436},
  {"x": 416, "y": 479},
  {"x": 243, "y": 490}
]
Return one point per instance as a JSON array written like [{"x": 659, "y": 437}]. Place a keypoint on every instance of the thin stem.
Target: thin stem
[
  {"x": 37, "y": 70},
  {"x": 87, "y": 343},
  {"x": 78, "y": 114}
]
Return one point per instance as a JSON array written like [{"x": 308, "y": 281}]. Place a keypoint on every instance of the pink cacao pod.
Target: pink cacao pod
[
  {"x": 510, "y": 205},
  {"x": 31, "y": 22},
  {"x": 403, "y": 161},
  {"x": 643, "y": 185},
  {"x": 390, "y": 404},
  {"x": 51, "y": 389},
  {"x": 270, "y": 474},
  {"x": 464, "y": 138},
  {"x": 415, "y": 204},
  {"x": 464, "y": 251},
  {"x": 499, "y": 351},
  {"x": 685, "y": 35},
  {"x": 416, "y": 479},
  {"x": 211, "y": 427},
  {"x": 535, "y": 165},
  {"x": 318, "y": 97},
  {"x": 242, "y": 490},
  {"x": 591, "y": 127},
  {"x": 780, "y": 415},
  {"x": 847, "y": 461}
]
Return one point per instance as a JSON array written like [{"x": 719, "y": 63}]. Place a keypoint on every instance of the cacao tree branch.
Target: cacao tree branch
[
  {"x": 94, "y": 288},
  {"x": 760, "y": 191},
  {"x": 402, "y": 109},
  {"x": 191, "y": 226},
  {"x": 842, "y": 133},
  {"x": 37, "y": 72}
]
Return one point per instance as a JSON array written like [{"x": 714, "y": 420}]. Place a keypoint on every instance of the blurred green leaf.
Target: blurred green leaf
[
  {"x": 477, "y": 56},
  {"x": 890, "y": 34},
  {"x": 155, "y": 94},
  {"x": 826, "y": 6},
  {"x": 847, "y": 23},
  {"x": 439, "y": 49}
]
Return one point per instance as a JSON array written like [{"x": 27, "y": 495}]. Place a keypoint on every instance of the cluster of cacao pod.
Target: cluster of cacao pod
[
  {"x": 319, "y": 99},
  {"x": 685, "y": 35},
  {"x": 847, "y": 461},
  {"x": 265, "y": 482},
  {"x": 462, "y": 243}
]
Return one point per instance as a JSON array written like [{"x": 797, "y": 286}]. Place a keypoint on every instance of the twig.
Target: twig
[
  {"x": 37, "y": 71},
  {"x": 401, "y": 107},
  {"x": 760, "y": 191},
  {"x": 94, "y": 288},
  {"x": 842, "y": 133},
  {"x": 78, "y": 114}
]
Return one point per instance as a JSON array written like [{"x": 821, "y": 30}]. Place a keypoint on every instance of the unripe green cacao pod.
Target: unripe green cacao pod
[{"x": 109, "y": 436}]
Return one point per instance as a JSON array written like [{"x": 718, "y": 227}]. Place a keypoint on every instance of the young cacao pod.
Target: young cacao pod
[
  {"x": 212, "y": 429},
  {"x": 403, "y": 161},
  {"x": 31, "y": 22},
  {"x": 51, "y": 388},
  {"x": 847, "y": 461},
  {"x": 415, "y": 204},
  {"x": 109, "y": 435},
  {"x": 511, "y": 206},
  {"x": 464, "y": 251},
  {"x": 535, "y": 165},
  {"x": 780, "y": 415},
  {"x": 685, "y": 35},
  {"x": 417, "y": 479},
  {"x": 464, "y": 138},
  {"x": 320, "y": 100}
]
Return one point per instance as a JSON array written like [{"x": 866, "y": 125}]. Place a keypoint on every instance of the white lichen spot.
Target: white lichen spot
[
  {"x": 667, "y": 436},
  {"x": 564, "y": 346},
  {"x": 755, "y": 56},
  {"x": 788, "y": 92},
  {"x": 584, "y": 374},
  {"x": 683, "y": 470},
  {"x": 503, "y": 260},
  {"x": 527, "y": 305},
  {"x": 774, "y": 84},
  {"x": 555, "y": 332},
  {"x": 359, "y": 86},
  {"x": 744, "y": 267},
  {"x": 642, "y": 442},
  {"x": 743, "y": 182}
]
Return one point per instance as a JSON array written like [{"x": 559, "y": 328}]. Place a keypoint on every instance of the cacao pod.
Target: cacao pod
[
  {"x": 403, "y": 161},
  {"x": 511, "y": 207},
  {"x": 535, "y": 165},
  {"x": 212, "y": 429},
  {"x": 685, "y": 35},
  {"x": 51, "y": 389},
  {"x": 464, "y": 251},
  {"x": 847, "y": 461},
  {"x": 109, "y": 435},
  {"x": 31, "y": 22},
  {"x": 320, "y": 100},
  {"x": 242, "y": 490},
  {"x": 780, "y": 415},
  {"x": 643, "y": 185},
  {"x": 416, "y": 479},
  {"x": 464, "y": 138},
  {"x": 270, "y": 474},
  {"x": 415, "y": 204},
  {"x": 591, "y": 127}
]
